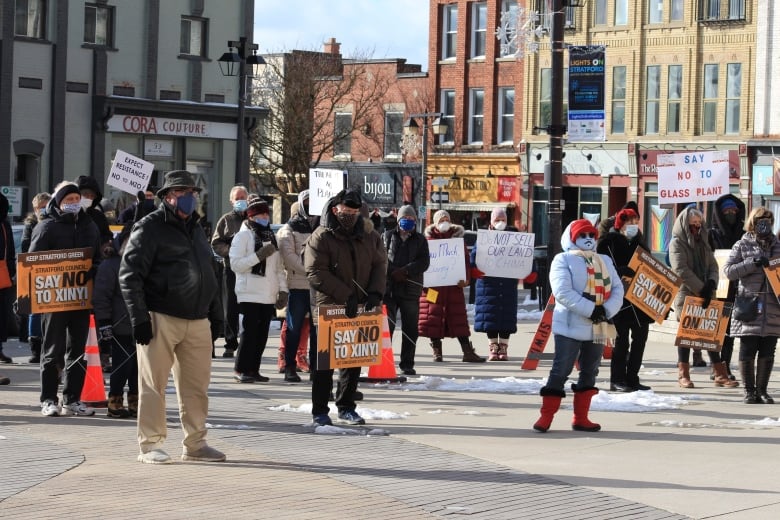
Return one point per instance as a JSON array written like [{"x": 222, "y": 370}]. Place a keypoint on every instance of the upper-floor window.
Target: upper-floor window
[
  {"x": 98, "y": 25},
  {"x": 545, "y": 15},
  {"x": 733, "y": 97},
  {"x": 478, "y": 29},
  {"x": 721, "y": 10},
  {"x": 621, "y": 12},
  {"x": 600, "y": 12},
  {"x": 394, "y": 126},
  {"x": 709, "y": 110},
  {"x": 545, "y": 98},
  {"x": 448, "y": 115},
  {"x": 652, "y": 101},
  {"x": 673, "y": 99},
  {"x": 676, "y": 14},
  {"x": 193, "y": 36},
  {"x": 655, "y": 13},
  {"x": 619, "y": 99},
  {"x": 30, "y": 19},
  {"x": 476, "y": 114},
  {"x": 450, "y": 27},
  {"x": 342, "y": 134},
  {"x": 508, "y": 20},
  {"x": 506, "y": 115}
]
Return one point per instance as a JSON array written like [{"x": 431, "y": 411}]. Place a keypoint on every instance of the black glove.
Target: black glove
[
  {"x": 399, "y": 275},
  {"x": 265, "y": 251},
  {"x": 281, "y": 300},
  {"x": 106, "y": 333},
  {"x": 374, "y": 301},
  {"x": 351, "y": 308},
  {"x": 761, "y": 261},
  {"x": 141, "y": 197},
  {"x": 707, "y": 292},
  {"x": 143, "y": 333},
  {"x": 626, "y": 271},
  {"x": 599, "y": 314}
]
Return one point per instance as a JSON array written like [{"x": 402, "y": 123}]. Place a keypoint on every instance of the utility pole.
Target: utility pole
[{"x": 556, "y": 130}]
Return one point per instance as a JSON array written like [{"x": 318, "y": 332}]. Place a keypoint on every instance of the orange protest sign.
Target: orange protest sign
[
  {"x": 348, "y": 342},
  {"x": 773, "y": 276},
  {"x": 703, "y": 328},
  {"x": 54, "y": 281},
  {"x": 653, "y": 287}
]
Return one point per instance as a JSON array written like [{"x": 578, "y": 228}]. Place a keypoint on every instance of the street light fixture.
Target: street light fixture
[
  {"x": 234, "y": 63},
  {"x": 411, "y": 127}
]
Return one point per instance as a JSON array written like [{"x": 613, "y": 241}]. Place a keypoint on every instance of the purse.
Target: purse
[
  {"x": 5, "y": 276},
  {"x": 746, "y": 307}
]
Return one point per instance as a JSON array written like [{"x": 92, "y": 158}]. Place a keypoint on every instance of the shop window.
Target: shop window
[
  {"x": 619, "y": 100},
  {"x": 342, "y": 134},
  {"x": 30, "y": 18},
  {"x": 193, "y": 36},
  {"x": 674, "y": 96},
  {"x": 476, "y": 115},
  {"x": 99, "y": 25},
  {"x": 450, "y": 36},
  {"x": 478, "y": 29},
  {"x": 394, "y": 126}
]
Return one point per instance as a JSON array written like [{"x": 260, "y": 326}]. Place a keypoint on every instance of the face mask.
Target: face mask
[
  {"x": 764, "y": 227},
  {"x": 261, "y": 221},
  {"x": 148, "y": 204},
  {"x": 86, "y": 203},
  {"x": 71, "y": 208},
  {"x": 730, "y": 218},
  {"x": 585, "y": 244},
  {"x": 499, "y": 226},
  {"x": 443, "y": 226},
  {"x": 186, "y": 203},
  {"x": 347, "y": 220},
  {"x": 406, "y": 224},
  {"x": 632, "y": 230},
  {"x": 240, "y": 205}
]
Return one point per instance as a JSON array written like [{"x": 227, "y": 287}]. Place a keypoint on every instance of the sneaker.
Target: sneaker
[
  {"x": 157, "y": 456},
  {"x": 205, "y": 454},
  {"x": 49, "y": 408},
  {"x": 641, "y": 387},
  {"x": 322, "y": 420},
  {"x": 408, "y": 371},
  {"x": 77, "y": 408},
  {"x": 260, "y": 378},
  {"x": 350, "y": 417},
  {"x": 243, "y": 378}
]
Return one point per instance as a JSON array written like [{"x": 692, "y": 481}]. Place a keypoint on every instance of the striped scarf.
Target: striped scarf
[{"x": 597, "y": 289}]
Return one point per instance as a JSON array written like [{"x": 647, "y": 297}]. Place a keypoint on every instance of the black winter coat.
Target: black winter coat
[
  {"x": 66, "y": 231},
  {"x": 107, "y": 302},
  {"x": 620, "y": 249},
  {"x": 410, "y": 256}
]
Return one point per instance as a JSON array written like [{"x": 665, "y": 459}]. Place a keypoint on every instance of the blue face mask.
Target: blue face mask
[
  {"x": 240, "y": 205},
  {"x": 261, "y": 221},
  {"x": 186, "y": 203},
  {"x": 407, "y": 224},
  {"x": 71, "y": 208}
]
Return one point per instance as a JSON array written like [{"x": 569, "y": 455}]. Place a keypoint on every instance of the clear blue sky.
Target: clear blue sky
[{"x": 375, "y": 28}]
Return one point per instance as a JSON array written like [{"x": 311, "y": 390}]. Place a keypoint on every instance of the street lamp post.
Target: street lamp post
[
  {"x": 412, "y": 128},
  {"x": 234, "y": 63}
]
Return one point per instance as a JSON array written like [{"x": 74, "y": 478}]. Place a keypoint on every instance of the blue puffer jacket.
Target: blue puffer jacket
[
  {"x": 495, "y": 308},
  {"x": 568, "y": 278}
]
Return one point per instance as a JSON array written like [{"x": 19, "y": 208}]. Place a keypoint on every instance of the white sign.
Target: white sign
[
  {"x": 448, "y": 262},
  {"x": 505, "y": 254},
  {"x": 129, "y": 173},
  {"x": 149, "y": 125},
  {"x": 440, "y": 182},
  {"x": 14, "y": 195},
  {"x": 692, "y": 176},
  {"x": 323, "y": 184}
]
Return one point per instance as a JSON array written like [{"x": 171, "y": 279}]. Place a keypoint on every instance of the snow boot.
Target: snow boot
[
  {"x": 582, "y": 398},
  {"x": 35, "y": 349},
  {"x": 551, "y": 402},
  {"x": 437, "y": 354},
  {"x": 291, "y": 375},
  {"x": 763, "y": 371},
  {"x": 722, "y": 376},
  {"x": 684, "y": 375},
  {"x": 469, "y": 356},
  {"x": 502, "y": 352},
  {"x": 116, "y": 408},
  {"x": 493, "y": 349},
  {"x": 747, "y": 370},
  {"x": 132, "y": 404}
]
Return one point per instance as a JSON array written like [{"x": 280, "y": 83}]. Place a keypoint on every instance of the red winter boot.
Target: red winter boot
[
  {"x": 581, "y": 407},
  {"x": 551, "y": 401}
]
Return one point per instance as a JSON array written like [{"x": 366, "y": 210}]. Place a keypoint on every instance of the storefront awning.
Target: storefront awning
[{"x": 473, "y": 206}]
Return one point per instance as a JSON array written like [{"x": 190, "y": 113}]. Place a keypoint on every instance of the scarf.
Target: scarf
[
  {"x": 262, "y": 234},
  {"x": 597, "y": 289}
]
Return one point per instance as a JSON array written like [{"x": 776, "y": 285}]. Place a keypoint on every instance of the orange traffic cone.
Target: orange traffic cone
[
  {"x": 93, "y": 393},
  {"x": 385, "y": 371}
]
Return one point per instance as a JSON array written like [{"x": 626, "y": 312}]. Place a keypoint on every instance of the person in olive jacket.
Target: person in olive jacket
[{"x": 170, "y": 290}]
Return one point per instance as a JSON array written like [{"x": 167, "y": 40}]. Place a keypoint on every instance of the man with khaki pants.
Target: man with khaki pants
[{"x": 171, "y": 292}]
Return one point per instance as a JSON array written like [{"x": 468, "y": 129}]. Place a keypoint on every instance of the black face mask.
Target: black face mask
[
  {"x": 347, "y": 220},
  {"x": 764, "y": 227},
  {"x": 730, "y": 218}
]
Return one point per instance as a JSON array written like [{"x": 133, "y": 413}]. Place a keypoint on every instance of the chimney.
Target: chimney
[{"x": 332, "y": 47}]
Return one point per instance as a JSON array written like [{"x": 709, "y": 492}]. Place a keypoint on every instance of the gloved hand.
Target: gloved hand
[
  {"x": 599, "y": 314},
  {"x": 626, "y": 271},
  {"x": 105, "y": 332},
  {"x": 351, "y": 308},
  {"x": 143, "y": 333},
  {"x": 476, "y": 273},
  {"x": 141, "y": 197},
  {"x": 707, "y": 292},
  {"x": 374, "y": 301},
  {"x": 463, "y": 283},
  {"x": 761, "y": 261},
  {"x": 281, "y": 300},
  {"x": 399, "y": 275},
  {"x": 265, "y": 251}
]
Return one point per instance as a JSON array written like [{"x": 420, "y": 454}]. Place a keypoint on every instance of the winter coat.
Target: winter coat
[
  {"x": 250, "y": 287},
  {"x": 410, "y": 256},
  {"x": 446, "y": 317},
  {"x": 495, "y": 306},
  {"x": 62, "y": 230},
  {"x": 30, "y": 221},
  {"x": 226, "y": 228},
  {"x": 568, "y": 280},
  {"x": 620, "y": 249},
  {"x": 690, "y": 259},
  {"x": 292, "y": 237},
  {"x": 740, "y": 267},
  {"x": 107, "y": 302},
  {"x": 723, "y": 235},
  {"x": 339, "y": 264},
  {"x": 166, "y": 268}
]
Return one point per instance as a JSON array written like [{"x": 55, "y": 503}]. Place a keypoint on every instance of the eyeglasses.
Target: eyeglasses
[{"x": 586, "y": 235}]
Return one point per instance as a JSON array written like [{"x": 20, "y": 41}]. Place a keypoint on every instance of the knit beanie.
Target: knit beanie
[
  {"x": 728, "y": 204},
  {"x": 440, "y": 215},
  {"x": 406, "y": 211},
  {"x": 582, "y": 225},
  {"x": 623, "y": 216},
  {"x": 64, "y": 191},
  {"x": 257, "y": 207},
  {"x": 497, "y": 212}
]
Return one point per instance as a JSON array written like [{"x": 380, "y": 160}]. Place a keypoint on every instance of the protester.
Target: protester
[
  {"x": 728, "y": 223},
  {"x": 292, "y": 237},
  {"x": 33, "y": 323},
  {"x": 170, "y": 290},
  {"x": 227, "y": 227},
  {"x": 443, "y": 309},
  {"x": 407, "y": 259},
  {"x": 757, "y": 337},
  {"x": 495, "y": 311},
  {"x": 9, "y": 259},
  {"x": 631, "y": 324},
  {"x": 116, "y": 332},
  {"x": 260, "y": 286},
  {"x": 91, "y": 198},
  {"x": 143, "y": 205},
  {"x": 346, "y": 264},
  {"x": 65, "y": 333},
  {"x": 692, "y": 260},
  {"x": 587, "y": 292}
]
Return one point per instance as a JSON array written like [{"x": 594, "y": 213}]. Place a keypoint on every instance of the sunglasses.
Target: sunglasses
[{"x": 586, "y": 235}]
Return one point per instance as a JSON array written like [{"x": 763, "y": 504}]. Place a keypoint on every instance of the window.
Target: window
[
  {"x": 600, "y": 13},
  {"x": 506, "y": 115},
  {"x": 193, "y": 36},
  {"x": 674, "y": 96},
  {"x": 30, "y": 18},
  {"x": 568, "y": 21},
  {"x": 450, "y": 37},
  {"x": 545, "y": 15},
  {"x": 619, "y": 100},
  {"x": 98, "y": 25},
  {"x": 476, "y": 114},
  {"x": 656, "y": 11},
  {"x": 508, "y": 20},
  {"x": 710, "y": 102},
  {"x": 677, "y": 11},
  {"x": 394, "y": 126},
  {"x": 621, "y": 12},
  {"x": 652, "y": 93},
  {"x": 712, "y": 9},
  {"x": 733, "y": 96},
  {"x": 736, "y": 9},
  {"x": 448, "y": 115},
  {"x": 342, "y": 134},
  {"x": 478, "y": 29},
  {"x": 721, "y": 10},
  {"x": 545, "y": 97}
]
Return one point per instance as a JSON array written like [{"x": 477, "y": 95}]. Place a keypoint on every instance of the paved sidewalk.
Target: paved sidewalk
[{"x": 454, "y": 453}]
